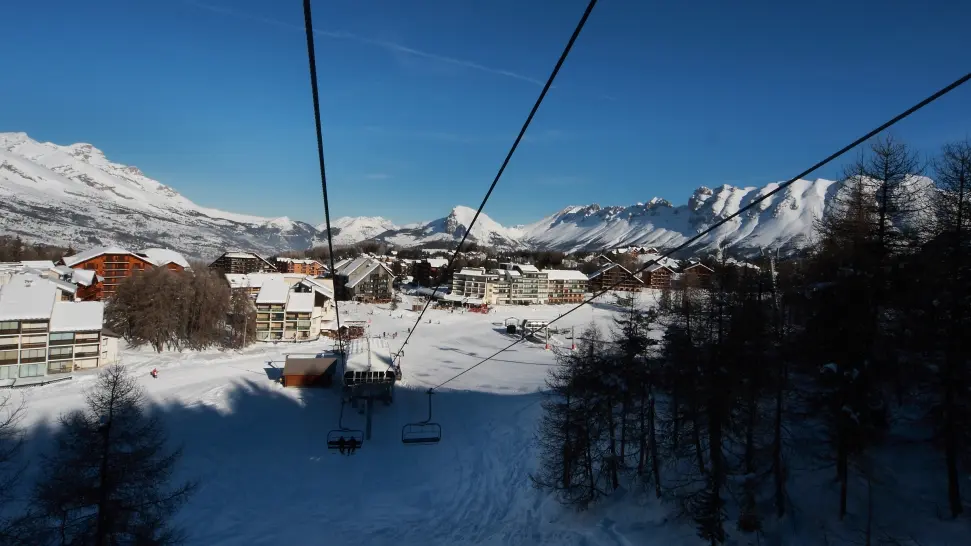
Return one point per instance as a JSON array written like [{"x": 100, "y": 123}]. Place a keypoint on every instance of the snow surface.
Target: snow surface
[
  {"x": 299, "y": 302},
  {"x": 163, "y": 256},
  {"x": 356, "y": 229},
  {"x": 273, "y": 291},
  {"x": 266, "y": 477},
  {"x": 26, "y": 297},
  {"x": 77, "y": 316}
]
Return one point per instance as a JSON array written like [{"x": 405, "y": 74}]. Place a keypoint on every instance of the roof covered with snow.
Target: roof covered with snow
[
  {"x": 437, "y": 262},
  {"x": 654, "y": 267},
  {"x": 300, "y": 302},
  {"x": 163, "y": 256},
  {"x": 565, "y": 275},
  {"x": 80, "y": 257},
  {"x": 527, "y": 268},
  {"x": 42, "y": 265},
  {"x": 321, "y": 286},
  {"x": 361, "y": 273},
  {"x": 84, "y": 277},
  {"x": 273, "y": 291},
  {"x": 27, "y": 297},
  {"x": 251, "y": 280},
  {"x": 77, "y": 316}
]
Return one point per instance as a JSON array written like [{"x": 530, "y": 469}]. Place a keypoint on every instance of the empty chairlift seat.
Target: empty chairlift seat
[{"x": 421, "y": 434}]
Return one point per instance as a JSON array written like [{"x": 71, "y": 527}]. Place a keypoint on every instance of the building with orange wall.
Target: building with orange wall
[{"x": 112, "y": 264}]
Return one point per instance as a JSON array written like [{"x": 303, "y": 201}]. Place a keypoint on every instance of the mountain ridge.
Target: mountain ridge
[{"x": 46, "y": 188}]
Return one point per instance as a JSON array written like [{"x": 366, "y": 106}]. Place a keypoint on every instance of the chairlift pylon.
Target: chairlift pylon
[
  {"x": 423, "y": 433},
  {"x": 335, "y": 436}
]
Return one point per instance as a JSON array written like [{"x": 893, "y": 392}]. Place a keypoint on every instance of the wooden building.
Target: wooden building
[
  {"x": 309, "y": 372},
  {"x": 163, "y": 257},
  {"x": 297, "y": 265},
  {"x": 430, "y": 271},
  {"x": 658, "y": 276},
  {"x": 111, "y": 264},
  {"x": 242, "y": 262},
  {"x": 613, "y": 276},
  {"x": 697, "y": 274}
]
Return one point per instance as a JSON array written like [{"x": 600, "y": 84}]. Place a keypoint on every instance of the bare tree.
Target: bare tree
[{"x": 11, "y": 443}]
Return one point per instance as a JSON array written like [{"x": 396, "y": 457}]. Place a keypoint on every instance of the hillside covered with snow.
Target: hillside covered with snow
[{"x": 73, "y": 195}]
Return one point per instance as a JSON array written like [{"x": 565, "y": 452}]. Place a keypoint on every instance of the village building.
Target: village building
[
  {"x": 305, "y": 266},
  {"x": 43, "y": 338},
  {"x": 242, "y": 262},
  {"x": 163, "y": 257},
  {"x": 429, "y": 271},
  {"x": 298, "y": 311},
  {"x": 697, "y": 274},
  {"x": 364, "y": 279},
  {"x": 658, "y": 276},
  {"x": 111, "y": 264},
  {"x": 527, "y": 284},
  {"x": 566, "y": 286},
  {"x": 613, "y": 276},
  {"x": 472, "y": 282}
]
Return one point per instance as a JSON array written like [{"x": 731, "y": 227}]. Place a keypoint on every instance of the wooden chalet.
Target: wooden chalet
[
  {"x": 658, "y": 276},
  {"x": 614, "y": 276},
  {"x": 111, "y": 264},
  {"x": 697, "y": 274}
]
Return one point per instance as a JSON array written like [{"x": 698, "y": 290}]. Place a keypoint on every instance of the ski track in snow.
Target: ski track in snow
[{"x": 266, "y": 477}]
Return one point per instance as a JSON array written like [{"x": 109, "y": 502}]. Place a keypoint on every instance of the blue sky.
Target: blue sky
[{"x": 422, "y": 99}]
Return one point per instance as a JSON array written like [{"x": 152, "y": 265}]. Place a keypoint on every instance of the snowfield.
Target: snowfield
[{"x": 267, "y": 477}]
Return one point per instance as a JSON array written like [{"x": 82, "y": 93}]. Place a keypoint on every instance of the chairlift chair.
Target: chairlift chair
[
  {"x": 334, "y": 436},
  {"x": 423, "y": 433}
]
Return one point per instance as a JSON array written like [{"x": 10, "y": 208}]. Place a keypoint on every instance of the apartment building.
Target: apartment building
[
  {"x": 242, "y": 262},
  {"x": 293, "y": 312},
  {"x": 697, "y": 274},
  {"x": 428, "y": 272},
  {"x": 473, "y": 282},
  {"x": 658, "y": 276},
  {"x": 111, "y": 264},
  {"x": 43, "y": 338},
  {"x": 566, "y": 286},
  {"x": 163, "y": 257},
  {"x": 364, "y": 279},
  {"x": 527, "y": 284},
  {"x": 305, "y": 266},
  {"x": 613, "y": 276}
]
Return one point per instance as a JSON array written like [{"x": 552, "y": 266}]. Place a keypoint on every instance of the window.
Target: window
[
  {"x": 87, "y": 337},
  {"x": 32, "y": 354},
  {"x": 9, "y": 325},
  {"x": 8, "y": 372},
  {"x": 33, "y": 340},
  {"x": 36, "y": 326},
  {"x": 8, "y": 356},
  {"x": 60, "y": 353},
  {"x": 9, "y": 341},
  {"x": 31, "y": 370}
]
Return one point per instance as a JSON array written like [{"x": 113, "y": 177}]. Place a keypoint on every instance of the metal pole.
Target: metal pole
[{"x": 369, "y": 405}]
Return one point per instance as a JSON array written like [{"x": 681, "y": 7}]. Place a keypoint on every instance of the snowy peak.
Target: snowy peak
[
  {"x": 452, "y": 228},
  {"x": 350, "y": 230}
]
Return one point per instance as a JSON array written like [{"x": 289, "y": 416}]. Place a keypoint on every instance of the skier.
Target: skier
[
  {"x": 155, "y": 373},
  {"x": 340, "y": 444}
]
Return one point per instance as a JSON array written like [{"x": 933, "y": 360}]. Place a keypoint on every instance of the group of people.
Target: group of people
[{"x": 347, "y": 446}]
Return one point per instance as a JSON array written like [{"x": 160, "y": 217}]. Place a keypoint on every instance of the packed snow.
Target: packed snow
[{"x": 266, "y": 476}]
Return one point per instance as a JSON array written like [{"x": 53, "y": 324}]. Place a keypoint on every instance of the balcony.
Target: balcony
[
  {"x": 30, "y": 360},
  {"x": 86, "y": 353}
]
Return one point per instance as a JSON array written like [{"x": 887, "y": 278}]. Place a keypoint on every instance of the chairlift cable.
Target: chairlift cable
[
  {"x": 323, "y": 171},
  {"x": 512, "y": 150},
  {"x": 886, "y": 125}
]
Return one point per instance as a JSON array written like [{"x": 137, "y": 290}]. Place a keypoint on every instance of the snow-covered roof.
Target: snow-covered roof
[
  {"x": 321, "y": 286},
  {"x": 27, "y": 297},
  {"x": 437, "y": 262},
  {"x": 527, "y": 268},
  {"x": 347, "y": 267},
  {"x": 43, "y": 265},
  {"x": 273, "y": 291},
  {"x": 251, "y": 280},
  {"x": 163, "y": 256},
  {"x": 240, "y": 255},
  {"x": 77, "y": 316},
  {"x": 341, "y": 263},
  {"x": 610, "y": 266},
  {"x": 654, "y": 267},
  {"x": 299, "y": 302},
  {"x": 474, "y": 272},
  {"x": 63, "y": 270},
  {"x": 71, "y": 261},
  {"x": 305, "y": 261},
  {"x": 361, "y": 273},
  {"x": 564, "y": 275},
  {"x": 84, "y": 277},
  {"x": 703, "y": 266},
  {"x": 68, "y": 287}
]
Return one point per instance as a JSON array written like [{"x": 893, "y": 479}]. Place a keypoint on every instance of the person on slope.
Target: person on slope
[{"x": 154, "y": 373}]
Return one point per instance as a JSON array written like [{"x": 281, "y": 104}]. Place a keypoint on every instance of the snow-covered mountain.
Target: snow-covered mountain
[
  {"x": 74, "y": 195},
  {"x": 452, "y": 228},
  {"x": 350, "y": 230}
]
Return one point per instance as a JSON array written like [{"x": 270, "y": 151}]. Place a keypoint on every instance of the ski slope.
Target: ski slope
[{"x": 259, "y": 450}]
